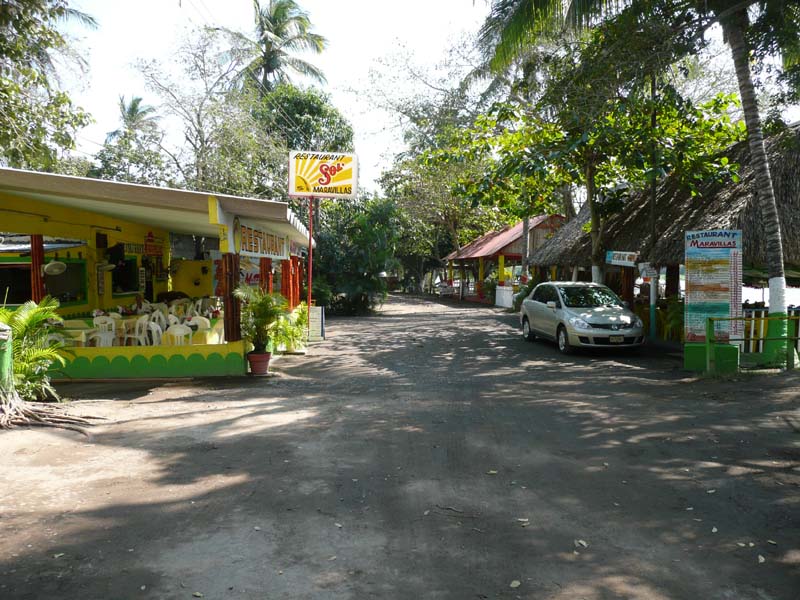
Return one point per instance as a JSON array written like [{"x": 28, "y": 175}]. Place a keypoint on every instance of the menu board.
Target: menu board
[{"x": 713, "y": 283}]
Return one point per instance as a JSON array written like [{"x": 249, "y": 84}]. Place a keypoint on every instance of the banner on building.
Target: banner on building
[
  {"x": 323, "y": 174},
  {"x": 250, "y": 239},
  {"x": 713, "y": 283}
]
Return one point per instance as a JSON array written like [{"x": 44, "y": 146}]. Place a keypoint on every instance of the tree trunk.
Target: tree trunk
[
  {"x": 733, "y": 28},
  {"x": 596, "y": 223},
  {"x": 567, "y": 207}
]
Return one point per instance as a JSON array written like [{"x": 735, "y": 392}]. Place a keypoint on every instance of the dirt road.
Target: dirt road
[{"x": 427, "y": 452}]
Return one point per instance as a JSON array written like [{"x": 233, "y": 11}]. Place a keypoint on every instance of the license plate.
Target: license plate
[{"x": 616, "y": 339}]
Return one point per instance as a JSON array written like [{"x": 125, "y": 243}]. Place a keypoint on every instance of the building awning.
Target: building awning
[{"x": 177, "y": 211}]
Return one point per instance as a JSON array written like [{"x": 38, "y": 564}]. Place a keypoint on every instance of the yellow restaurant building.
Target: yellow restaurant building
[{"x": 115, "y": 242}]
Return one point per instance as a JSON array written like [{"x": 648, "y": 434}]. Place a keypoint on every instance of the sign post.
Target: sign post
[
  {"x": 320, "y": 175},
  {"x": 310, "y": 257},
  {"x": 713, "y": 283}
]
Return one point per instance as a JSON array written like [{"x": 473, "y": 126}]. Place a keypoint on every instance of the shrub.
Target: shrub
[{"x": 34, "y": 350}]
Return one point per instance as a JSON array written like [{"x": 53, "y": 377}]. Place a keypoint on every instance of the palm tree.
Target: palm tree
[
  {"x": 282, "y": 28},
  {"x": 513, "y": 24},
  {"x": 136, "y": 118}
]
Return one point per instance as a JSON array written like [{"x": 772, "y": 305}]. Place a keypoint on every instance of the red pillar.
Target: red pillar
[
  {"x": 265, "y": 274},
  {"x": 231, "y": 305},
  {"x": 310, "y": 259},
  {"x": 296, "y": 289},
  {"x": 286, "y": 278}
]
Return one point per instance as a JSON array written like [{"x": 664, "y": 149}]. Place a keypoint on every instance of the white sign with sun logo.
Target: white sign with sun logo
[{"x": 322, "y": 174}]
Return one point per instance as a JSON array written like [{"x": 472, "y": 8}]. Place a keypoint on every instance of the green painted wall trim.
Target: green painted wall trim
[{"x": 127, "y": 363}]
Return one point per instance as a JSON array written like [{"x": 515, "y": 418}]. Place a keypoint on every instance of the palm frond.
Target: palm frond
[{"x": 306, "y": 69}]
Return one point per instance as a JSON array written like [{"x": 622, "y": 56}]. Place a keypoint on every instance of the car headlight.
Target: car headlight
[
  {"x": 637, "y": 322},
  {"x": 579, "y": 323}
]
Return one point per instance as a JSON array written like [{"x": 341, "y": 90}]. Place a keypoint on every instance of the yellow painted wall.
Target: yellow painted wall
[
  {"x": 29, "y": 216},
  {"x": 186, "y": 272}
]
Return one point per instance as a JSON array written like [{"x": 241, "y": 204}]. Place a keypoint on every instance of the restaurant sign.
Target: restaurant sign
[
  {"x": 323, "y": 174},
  {"x": 623, "y": 259},
  {"x": 153, "y": 246},
  {"x": 252, "y": 240},
  {"x": 713, "y": 283}
]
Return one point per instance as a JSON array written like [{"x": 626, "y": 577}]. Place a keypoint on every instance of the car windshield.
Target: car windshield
[{"x": 588, "y": 297}]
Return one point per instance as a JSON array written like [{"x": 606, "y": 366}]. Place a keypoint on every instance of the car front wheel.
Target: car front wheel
[
  {"x": 527, "y": 332},
  {"x": 563, "y": 341}
]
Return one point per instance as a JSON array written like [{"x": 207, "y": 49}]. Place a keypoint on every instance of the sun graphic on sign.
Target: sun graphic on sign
[{"x": 314, "y": 171}]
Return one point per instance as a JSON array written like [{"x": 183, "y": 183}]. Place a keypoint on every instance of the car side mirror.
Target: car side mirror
[{"x": 551, "y": 304}]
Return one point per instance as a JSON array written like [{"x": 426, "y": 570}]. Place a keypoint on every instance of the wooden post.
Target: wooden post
[
  {"x": 627, "y": 282},
  {"x": 37, "y": 262},
  {"x": 296, "y": 287},
  {"x": 481, "y": 275},
  {"x": 265, "y": 274},
  {"x": 310, "y": 265},
  {"x": 673, "y": 288},
  {"x": 286, "y": 279},
  {"x": 231, "y": 305}
]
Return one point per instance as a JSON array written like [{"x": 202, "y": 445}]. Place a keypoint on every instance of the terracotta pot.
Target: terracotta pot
[{"x": 259, "y": 362}]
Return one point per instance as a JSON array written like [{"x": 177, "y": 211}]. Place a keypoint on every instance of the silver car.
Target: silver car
[{"x": 579, "y": 314}]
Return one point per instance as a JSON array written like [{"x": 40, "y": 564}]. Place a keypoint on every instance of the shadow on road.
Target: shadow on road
[{"x": 427, "y": 451}]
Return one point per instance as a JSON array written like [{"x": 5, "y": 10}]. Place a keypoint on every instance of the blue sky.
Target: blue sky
[{"x": 359, "y": 33}]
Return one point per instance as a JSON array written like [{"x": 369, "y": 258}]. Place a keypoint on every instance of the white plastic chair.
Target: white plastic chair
[
  {"x": 139, "y": 334},
  {"x": 178, "y": 335},
  {"x": 159, "y": 319},
  {"x": 106, "y": 331},
  {"x": 115, "y": 315},
  {"x": 173, "y": 320},
  {"x": 155, "y": 333},
  {"x": 159, "y": 306},
  {"x": 202, "y": 323}
]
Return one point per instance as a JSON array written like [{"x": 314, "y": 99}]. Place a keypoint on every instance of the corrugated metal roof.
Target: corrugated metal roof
[{"x": 494, "y": 241}]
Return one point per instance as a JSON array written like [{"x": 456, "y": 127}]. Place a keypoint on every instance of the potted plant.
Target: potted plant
[{"x": 260, "y": 312}]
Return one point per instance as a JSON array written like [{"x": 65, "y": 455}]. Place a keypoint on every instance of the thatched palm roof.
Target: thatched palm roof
[{"x": 719, "y": 206}]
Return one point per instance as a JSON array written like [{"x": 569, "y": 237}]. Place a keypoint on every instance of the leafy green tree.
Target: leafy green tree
[
  {"x": 282, "y": 29},
  {"x": 36, "y": 118},
  {"x": 133, "y": 158},
  {"x": 355, "y": 246},
  {"x": 132, "y": 153},
  {"x": 224, "y": 148},
  {"x": 752, "y": 28},
  {"x": 304, "y": 119},
  {"x": 75, "y": 166}
]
